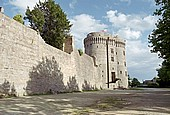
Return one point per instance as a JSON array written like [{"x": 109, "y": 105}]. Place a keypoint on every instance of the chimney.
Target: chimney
[{"x": 1, "y": 9}]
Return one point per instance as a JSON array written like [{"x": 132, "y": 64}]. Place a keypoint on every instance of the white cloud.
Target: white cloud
[
  {"x": 128, "y": 33},
  {"x": 23, "y": 4},
  {"x": 135, "y": 22},
  {"x": 82, "y": 25},
  {"x": 140, "y": 61},
  {"x": 72, "y": 4}
]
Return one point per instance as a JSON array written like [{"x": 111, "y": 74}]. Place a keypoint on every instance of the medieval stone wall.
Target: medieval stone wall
[{"x": 21, "y": 48}]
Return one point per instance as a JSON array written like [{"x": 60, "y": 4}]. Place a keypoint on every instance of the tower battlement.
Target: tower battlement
[{"x": 102, "y": 37}]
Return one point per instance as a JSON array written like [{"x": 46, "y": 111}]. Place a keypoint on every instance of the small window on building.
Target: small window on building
[
  {"x": 116, "y": 53},
  {"x": 120, "y": 72},
  {"x": 102, "y": 71},
  {"x": 112, "y": 68},
  {"x": 124, "y": 53},
  {"x": 112, "y": 51},
  {"x": 112, "y": 58},
  {"x": 118, "y": 63},
  {"x": 97, "y": 46},
  {"x": 125, "y": 64},
  {"x": 125, "y": 73}
]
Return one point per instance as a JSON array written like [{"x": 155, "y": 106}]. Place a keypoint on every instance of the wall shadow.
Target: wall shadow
[
  {"x": 6, "y": 89},
  {"x": 72, "y": 85},
  {"x": 45, "y": 78},
  {"x": 86, "y": 86}
]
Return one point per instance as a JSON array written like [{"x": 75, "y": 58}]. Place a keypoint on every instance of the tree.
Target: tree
[
  {"x": 80, "y": 52},
  {"x": 129, "y": 81},
  {"x": 164, "y": 75},
  {"x": 18, "y": 18},
  {"x": 160, "y": 38},
  {"x": 50, "y": 21},
  {"x": 135, "y": 82}
]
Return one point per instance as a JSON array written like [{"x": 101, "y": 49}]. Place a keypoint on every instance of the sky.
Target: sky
[{"x": 132, "y": 20}]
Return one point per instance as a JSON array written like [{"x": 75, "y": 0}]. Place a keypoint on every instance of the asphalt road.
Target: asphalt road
[{"x": 105, "y": 102}]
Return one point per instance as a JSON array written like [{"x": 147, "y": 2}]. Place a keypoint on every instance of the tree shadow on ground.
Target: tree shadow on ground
[{"x": 45, "y": 78}]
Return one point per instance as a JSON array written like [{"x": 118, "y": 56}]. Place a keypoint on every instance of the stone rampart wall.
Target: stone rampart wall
[{"x": 21, "y": 48}]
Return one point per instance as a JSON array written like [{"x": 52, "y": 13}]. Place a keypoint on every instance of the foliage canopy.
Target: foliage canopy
[
  {"x": 80, "y": 52},
  {"x": 160, "y": 40},
  {"x": 18, "y": 18},
  {"x": 135, "y": 82},
  {"x": 50, "y": 21}
]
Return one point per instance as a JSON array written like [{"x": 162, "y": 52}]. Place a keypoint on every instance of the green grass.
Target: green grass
[{"x": 109, "y": 103}]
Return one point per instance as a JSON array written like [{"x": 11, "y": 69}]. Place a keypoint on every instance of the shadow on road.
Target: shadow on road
[{"x": 135, "y": 102}]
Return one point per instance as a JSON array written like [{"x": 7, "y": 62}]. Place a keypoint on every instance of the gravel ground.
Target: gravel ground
[{"x": 105, "y": 102}]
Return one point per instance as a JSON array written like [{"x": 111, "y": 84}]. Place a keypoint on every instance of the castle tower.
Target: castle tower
[{"x": 108, "y": 53}]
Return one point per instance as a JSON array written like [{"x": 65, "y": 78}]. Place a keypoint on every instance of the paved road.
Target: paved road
[{"x": 126, "y": 102}]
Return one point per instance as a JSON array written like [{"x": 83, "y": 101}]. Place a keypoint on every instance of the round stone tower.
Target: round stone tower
[{"x": 108, "y": 53}]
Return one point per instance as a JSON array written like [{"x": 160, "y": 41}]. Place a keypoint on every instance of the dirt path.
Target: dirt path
[{"x": 117, "y": 102}]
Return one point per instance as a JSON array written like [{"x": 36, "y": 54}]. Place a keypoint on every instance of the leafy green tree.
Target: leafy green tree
[
  {"x": 160, "y": 39},
  {"x": 164, "y": 75},
  {"x": 19, "y": 18},
  {"x": 135, "y": 82},
  {"x": 50, "y": 21},
  {"x": 129, "y": 81},
  {"x": 80, "y": 52}
]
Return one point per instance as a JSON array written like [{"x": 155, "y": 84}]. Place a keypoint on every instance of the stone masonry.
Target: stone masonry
[
  {"x": 102, "y": 46},
  {"x": 21, "y": 48}
]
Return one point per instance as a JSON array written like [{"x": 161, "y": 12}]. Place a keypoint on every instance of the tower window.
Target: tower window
[
  {"x": 124, "y": 53},
  {"x": 112, "y": 51},
  {"x": 125, "y": 64},
  {"x": 118, "y": 63},
  {"x": 116, "y": 53},
  {"x": 125, "y": 73},
  {"x": 97, "y": 46},
  {"x": 112, "y": 58},
  {"x": 120, "y": 72}
]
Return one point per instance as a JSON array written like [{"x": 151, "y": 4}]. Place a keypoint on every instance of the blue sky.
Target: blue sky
[{"x": 130, "y": 19}]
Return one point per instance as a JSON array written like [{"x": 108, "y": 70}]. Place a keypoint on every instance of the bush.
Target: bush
[{"x": 153, "y": 85}]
